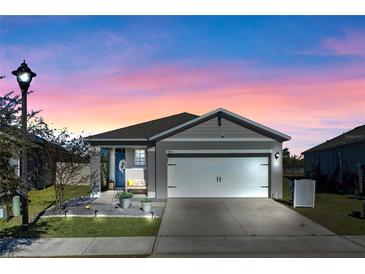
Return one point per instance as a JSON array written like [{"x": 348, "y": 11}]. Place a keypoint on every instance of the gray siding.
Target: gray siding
[
  {"x": 210, "y": 129},
  {"x": 151, "y": 173},
  {"x": 348, "y": 156},
  {"x": 163, "y": 146},
  {"x": 129, "y": 157}
]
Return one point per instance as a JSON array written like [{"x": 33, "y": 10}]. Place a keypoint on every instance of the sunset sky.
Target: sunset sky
[{"x": 304, "y": 76}]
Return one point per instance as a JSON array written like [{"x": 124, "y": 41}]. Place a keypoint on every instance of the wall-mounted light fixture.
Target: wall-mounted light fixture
[{"x": 277, "y": 154}]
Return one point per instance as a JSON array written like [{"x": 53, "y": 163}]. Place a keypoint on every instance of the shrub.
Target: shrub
[
  {"x": 146, "y": 200},
  {"x": 125, "y": 195}
]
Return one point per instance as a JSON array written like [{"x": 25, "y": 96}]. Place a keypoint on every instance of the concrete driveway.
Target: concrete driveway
[{"x": 247, "y": 227}]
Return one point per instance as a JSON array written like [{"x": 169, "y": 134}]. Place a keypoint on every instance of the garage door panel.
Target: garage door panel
[{"x": 197, "y": 177}]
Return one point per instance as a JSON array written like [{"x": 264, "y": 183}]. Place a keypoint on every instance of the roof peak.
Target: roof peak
[{"x": 157, "y": 128}]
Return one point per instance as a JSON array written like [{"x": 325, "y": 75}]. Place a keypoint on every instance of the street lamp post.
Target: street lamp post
[{"x": 24, "y": 76}]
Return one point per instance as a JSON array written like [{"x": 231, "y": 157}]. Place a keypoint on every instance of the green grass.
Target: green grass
[
  {"x": 87, "y": 227},
  {"x": 40, "y": 200},
  {"x": 332, "y": 211}
]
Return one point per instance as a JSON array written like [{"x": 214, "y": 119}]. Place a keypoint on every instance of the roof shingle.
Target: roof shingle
[
  {"x": 147, "y": 129},
  {"x": 355, "y": 135}
]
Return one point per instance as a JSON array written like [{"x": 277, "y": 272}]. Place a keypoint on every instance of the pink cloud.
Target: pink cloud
[
  {"x": 300, "y": 106},
  {"x": 352, "y": 43}
]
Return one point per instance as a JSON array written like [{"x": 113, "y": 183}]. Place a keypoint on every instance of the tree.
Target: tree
[
  {"x": 292, "y": 160},
  {"x": 11, "y": 139},
  {"x": 286, "y": 153},
  {"x": 70, "y": 163},
  {"x": 69, "y": 154},
  {"x": 59, "y": 148},
  {"x": 9, "y": 181}
]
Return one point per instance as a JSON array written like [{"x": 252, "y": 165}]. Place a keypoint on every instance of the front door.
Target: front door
[{"x": 120, "y": 168}]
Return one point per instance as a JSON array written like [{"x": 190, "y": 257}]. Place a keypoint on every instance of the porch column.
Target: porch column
[
  {"x": 151, "y": 172},
  {"x": 112, "y": 164},
  {"x": 95, "y": 173}
]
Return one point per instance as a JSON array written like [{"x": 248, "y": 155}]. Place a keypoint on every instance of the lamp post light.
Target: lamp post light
[{"x": 24, "y": 76}]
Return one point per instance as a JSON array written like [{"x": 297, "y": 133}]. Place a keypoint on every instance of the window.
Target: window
[{"x": 139, "y": 157}]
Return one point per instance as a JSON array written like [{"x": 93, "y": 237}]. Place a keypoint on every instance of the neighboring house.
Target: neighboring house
[
  {"x": 219, "y": 154},
  {"x": 338, "y": 164},
  {"x": 42, "y": 170}
]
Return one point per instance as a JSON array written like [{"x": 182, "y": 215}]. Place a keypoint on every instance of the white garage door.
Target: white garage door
[{"x": 218, "y": 177}]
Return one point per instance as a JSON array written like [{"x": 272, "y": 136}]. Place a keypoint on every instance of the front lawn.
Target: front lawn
[
  {"x": 87, "y": 227},
  {"x": 40, "y": 200},
  {"x": 332, "y": 211}
]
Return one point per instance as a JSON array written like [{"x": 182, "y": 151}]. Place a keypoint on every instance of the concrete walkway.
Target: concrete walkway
[
  {"x": 187, "y": 246},
  {"x": 107, "y": 205},
  {"x": 251, "y": 227},
  {"x": 208, "y": 228},
  {"x": 77, "y": 247},
  {"x": 235, "y": 217}
]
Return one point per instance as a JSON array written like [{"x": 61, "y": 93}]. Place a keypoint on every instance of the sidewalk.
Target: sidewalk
[
  {"x": 332, "y": 246},
  {"x": 76, "y": 247},
  {"x": 245, "y": 246}
]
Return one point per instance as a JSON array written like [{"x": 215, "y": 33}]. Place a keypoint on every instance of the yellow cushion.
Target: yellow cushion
[{"x": 130, "y": 182}]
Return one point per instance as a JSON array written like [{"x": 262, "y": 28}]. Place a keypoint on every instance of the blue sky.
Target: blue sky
[{"x": 157, "y": 63}]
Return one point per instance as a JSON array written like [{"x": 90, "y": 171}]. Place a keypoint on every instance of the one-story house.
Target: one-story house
[
  {"x": 41, "y": 165},
  {"x": 218, "y": 154},
  {"x": 338, "y": 164}
]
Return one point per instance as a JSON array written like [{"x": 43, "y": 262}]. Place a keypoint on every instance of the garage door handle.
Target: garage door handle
[
  {"x": 172, "y": 186},
  {"x": 264, "y": 186},
  {"x": 264, "y": 164}
]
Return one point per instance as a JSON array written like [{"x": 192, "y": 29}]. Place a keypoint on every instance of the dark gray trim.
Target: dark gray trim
[
  {"x": 155, "y": 170},
  {"x": 122, "y": 143},
  {"x": 269, "y": 170},
  {"x": 216, "y": 155}
]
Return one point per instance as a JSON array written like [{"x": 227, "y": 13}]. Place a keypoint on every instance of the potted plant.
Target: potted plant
[
  {"x": 125, "y": 199},
  {"x": 146, "y": 205},
  {"x": 110, "y": 185}
]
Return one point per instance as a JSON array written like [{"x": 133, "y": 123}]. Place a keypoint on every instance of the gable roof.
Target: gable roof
[
  {"x": 144, "y": 131},
  {"x": 220, "y": 112},
  {"x": 16, "y": 134},
  {"x": 353, "y": 136}
]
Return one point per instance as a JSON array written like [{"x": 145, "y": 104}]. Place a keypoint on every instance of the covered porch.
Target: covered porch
[{"x": 121, "y": 168}]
